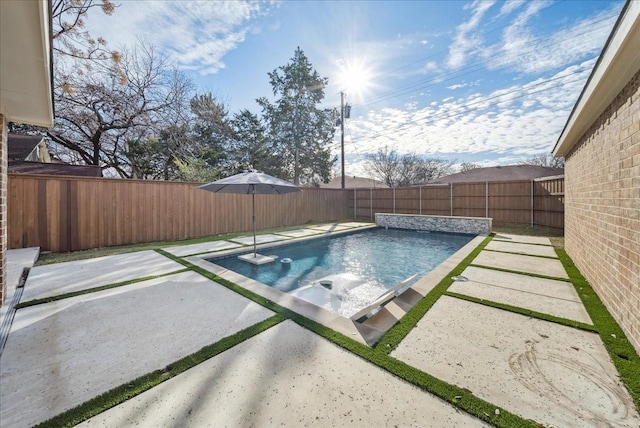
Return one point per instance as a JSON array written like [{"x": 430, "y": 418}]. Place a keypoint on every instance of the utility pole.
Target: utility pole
[{"x": 342, "y": 134}]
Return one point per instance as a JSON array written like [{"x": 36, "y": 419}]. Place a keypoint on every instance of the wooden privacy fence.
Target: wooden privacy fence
[
  {"x": 538, "y": 202},
  {"x": 73, "y": 213}
]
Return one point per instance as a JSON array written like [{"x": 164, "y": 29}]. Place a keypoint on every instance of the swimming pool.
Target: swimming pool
[{"x": 369, "y": 262}]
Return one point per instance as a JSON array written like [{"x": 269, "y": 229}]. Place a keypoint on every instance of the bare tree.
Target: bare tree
[
  {"x": 98, "y": 111},
  {"x": 384, "y": 165},
  {"x": 547, "y": 160},
  {"x": 405, "y": 170},
  {"x": 468, "y": 166},
  {"x": 68, "y": 33}
]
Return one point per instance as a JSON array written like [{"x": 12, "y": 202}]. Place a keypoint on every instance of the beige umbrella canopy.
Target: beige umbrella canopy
[{"x": 251, "y": 183}]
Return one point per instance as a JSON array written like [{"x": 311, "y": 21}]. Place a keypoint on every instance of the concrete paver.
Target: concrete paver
[
  {"x": 539, "y": 240},
  {"x": 300, "y": 233},
  {"x": 357, "y": 224},
  {"x": 260, "y": 239},
  {"x": 17, "y": 260},
  {"x": 516, "y": 247},
  {"x": 330, "y": 227},
  {"x": 204, "y": 247},
  {"x": 285, "y": 376},
  {"x": 59, "y": 278},
  {"x": 63, "y": 353},
  {"x": 544, "y": 371},
  {"x": 520, "y": 263},
  {"x": 557, "y": 298},
  {"x": 60, "y": 354}
]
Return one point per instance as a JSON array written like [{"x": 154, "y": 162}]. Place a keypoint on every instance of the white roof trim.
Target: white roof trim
[
  {"x": 618, "y": 63},
  {"x": 25, "y": 62}
]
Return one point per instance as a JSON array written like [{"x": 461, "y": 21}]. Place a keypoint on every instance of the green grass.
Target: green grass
[
  {"x": 534, "y": 275},
  {"x": 523, "y": 254},
  {"x": 458, "y": 397},
  {"x": 93, "y": 289},
  {"x": 394, "y": 336},
  {"x": 137, "y": 386},
  {"x": 453, "y": 394},
  {"x": 622, "y": 353},
  {"x": 523, "y": 311}
]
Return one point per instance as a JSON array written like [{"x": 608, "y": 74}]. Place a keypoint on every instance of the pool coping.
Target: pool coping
[{"x": 368, "y": 332}]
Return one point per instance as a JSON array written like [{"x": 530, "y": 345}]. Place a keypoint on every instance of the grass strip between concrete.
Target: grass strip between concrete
[
  {"x": 94, "y": 289},
  {"x": 390, "y": 340},
  {"x": 137, "y": 386},
  {"x": 458, "y": 397},
  {"x": 523, "y": 311},
  {"x": 622, "y": 353},
  {"x": 521, "y": 254},
  {"x": 535, "y": 275}
]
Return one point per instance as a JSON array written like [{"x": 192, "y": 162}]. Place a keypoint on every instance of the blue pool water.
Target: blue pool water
[{"x": 380, "y": 257}]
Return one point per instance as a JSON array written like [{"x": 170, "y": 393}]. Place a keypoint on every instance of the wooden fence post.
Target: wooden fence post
[
  {"x": 394, "y": 200},
  {"x": 486, "y": 199},
  {"x": 355, "y": 204},
  {"x": 451, "y": 197},
  {"x": 532, "y": 198}
]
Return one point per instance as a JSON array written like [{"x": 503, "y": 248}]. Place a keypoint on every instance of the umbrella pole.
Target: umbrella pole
[{"x": 253, "y": 202}]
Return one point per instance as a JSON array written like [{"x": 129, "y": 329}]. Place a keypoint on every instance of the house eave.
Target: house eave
[
  {"x": 25, "y": 58},
  {"x": 617, "y": 64}
]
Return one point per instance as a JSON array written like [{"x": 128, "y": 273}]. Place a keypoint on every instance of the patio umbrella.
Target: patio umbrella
[{"x": 251, "y": 183}]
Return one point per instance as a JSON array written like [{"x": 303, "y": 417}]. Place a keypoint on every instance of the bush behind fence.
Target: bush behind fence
[{"x": 74, "y": 213}]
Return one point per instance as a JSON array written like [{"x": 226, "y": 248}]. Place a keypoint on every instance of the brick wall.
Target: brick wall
[
  {"x": 3, "y": 208},
  {"x": 602, "y": 208}
]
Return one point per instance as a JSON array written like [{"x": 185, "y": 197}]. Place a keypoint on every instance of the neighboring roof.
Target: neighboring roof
[
  {"x": 499, "y": 173},
  {"x": 19, "y": 147},
  {"x": 353, "y": 182},
  {"x": 618, "y": 62},
  {"x": 24, "y": 167},
  {"x": 25, "y": 62}
]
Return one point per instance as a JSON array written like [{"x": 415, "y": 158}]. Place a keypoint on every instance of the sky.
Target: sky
[{"x": 489, "y": 82}]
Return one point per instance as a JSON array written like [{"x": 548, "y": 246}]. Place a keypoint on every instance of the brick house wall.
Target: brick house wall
[
  {"x": 3, "y": 208},
  {"x": 602, "y": 207}
]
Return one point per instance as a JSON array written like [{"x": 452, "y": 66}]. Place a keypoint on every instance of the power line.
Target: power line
[
  {"x": 477, "y": 66},
  {"x": 445, "y": 50},
  {"x": 466, "y": 108}
]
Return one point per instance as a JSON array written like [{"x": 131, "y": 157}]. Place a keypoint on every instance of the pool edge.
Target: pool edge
[{"x": 366, "y": 333}]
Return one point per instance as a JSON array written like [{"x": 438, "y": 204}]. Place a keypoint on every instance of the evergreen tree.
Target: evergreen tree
[
  {"x": 300, "y": 131},
  {"x": 250, "y": 148}
]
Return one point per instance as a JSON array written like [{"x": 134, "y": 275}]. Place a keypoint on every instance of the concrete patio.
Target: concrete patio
[{"x": 63, "y": 353}]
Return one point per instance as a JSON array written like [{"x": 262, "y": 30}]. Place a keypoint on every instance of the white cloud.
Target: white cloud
[
  {"x": 522, "y": 47},
  {"x": 465, "y": 40},
  {"x": 523, "y": 51},
  {"x": 511, "y": 123},
  {"x": 509, "y": 6},
  {"x": 196, "y": 34}
]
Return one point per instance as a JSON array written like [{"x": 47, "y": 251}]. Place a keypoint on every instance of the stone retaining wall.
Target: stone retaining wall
[{"x": 473, "y": 225}]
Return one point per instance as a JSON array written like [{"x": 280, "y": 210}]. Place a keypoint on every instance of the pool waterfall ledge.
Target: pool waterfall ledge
[
  {"x": 471, "y": 225},
  {"x": 368, "y": 332}
]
